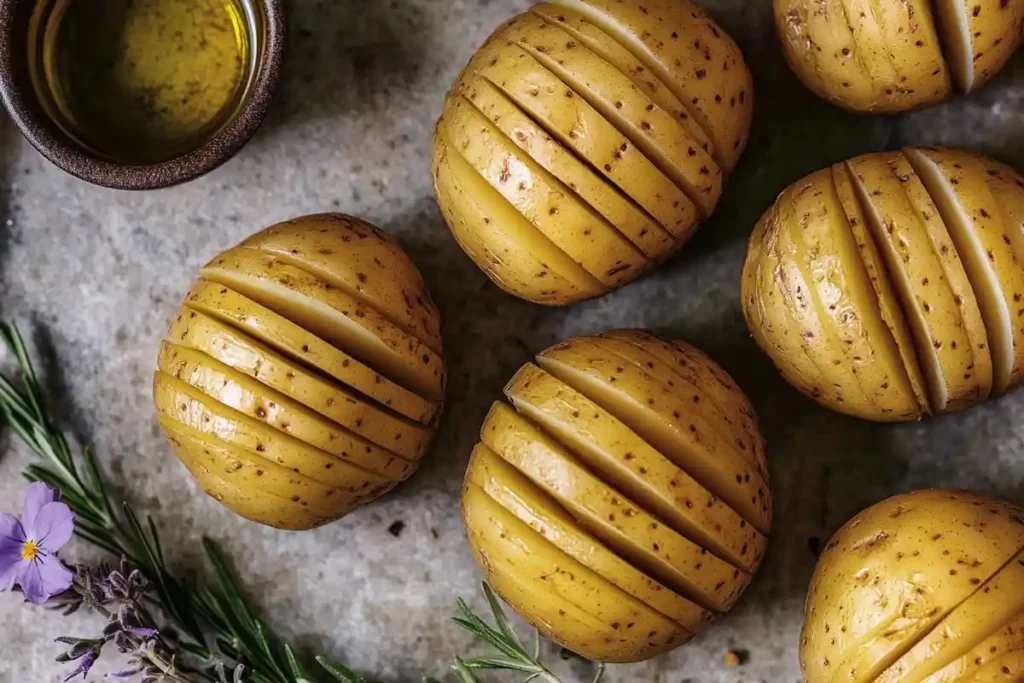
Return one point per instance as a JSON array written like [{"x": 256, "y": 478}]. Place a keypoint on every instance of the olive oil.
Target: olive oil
[{"x": 141, "y": 81}]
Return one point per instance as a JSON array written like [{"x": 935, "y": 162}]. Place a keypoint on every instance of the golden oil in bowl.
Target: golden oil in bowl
[{"x": 142, "y": 81}]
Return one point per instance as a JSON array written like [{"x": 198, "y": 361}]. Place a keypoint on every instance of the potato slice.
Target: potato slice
[
  {"x": 362, "y": 260},
  {"x": 235, "y": 311},
  {"x": 995, "y": 603},
  {"x": 499, "y": 239},
  {"x": 980, "y": 36},
  {"x": 517, "y": 580},
  {"x": 915, "y": 50},
  {"x": 517, "y": 494},
  {"x": 912, "y": 558},
  {"x": 535, "y": 559},
  {"x": 616, "y": 454},
  {"x": 186, "y": 404},
  {"x": 944, "y": 316},
  {"x": 619, "y": 210},
  {"x": 997, "y": 659},
  {"x": 886, "y": 298},
  {"x": 233, "y": 349},
  {"x": 692, "y": 56},
  {"x": 246, "y": 395},
  {"x": 610, "y": 50},
  {"x": 665, "y": 420},
  {"x": 252, "y": 472},
  {"x": 578, "y": 126},
  {"x": 550, "y": 207},
  {"x": 621, "y": 524},
  {"x": 654, "y": 131},
  {"x": 711, "y": 385},
  {"x": 333, "y": 315},
  {"x": 957, "y": 183}
]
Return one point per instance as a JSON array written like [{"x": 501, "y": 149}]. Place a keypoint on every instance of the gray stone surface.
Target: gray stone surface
[{"x": 94, "y": 276}]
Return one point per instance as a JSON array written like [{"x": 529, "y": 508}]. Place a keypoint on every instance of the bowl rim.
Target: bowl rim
[{"x": 221, "y": 147}]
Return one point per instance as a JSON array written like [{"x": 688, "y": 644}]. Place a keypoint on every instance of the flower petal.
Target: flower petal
[
  {"x": 37, "y": 494},
  {"x": 44, "y": 577},
  {"x": 54, "y": 525},
  {"x": 12, "y": 539}
]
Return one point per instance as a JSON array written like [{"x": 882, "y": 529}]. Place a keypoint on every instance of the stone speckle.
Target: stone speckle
[{"x": 94, "y": 277}]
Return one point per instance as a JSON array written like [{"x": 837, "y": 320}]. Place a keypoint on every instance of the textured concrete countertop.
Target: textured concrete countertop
[{"x": 95, "y": 275}]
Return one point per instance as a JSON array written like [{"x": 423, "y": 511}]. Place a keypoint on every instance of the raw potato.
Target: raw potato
[
  {"x": 598, "y": 135},
  {"x": 892, "y": 286},
  {"x": 303, "y": 375},
  {"x": 913, "y": 579},
  {"x": 870, "y": 56},
  {"x": 622, "y": 524}
]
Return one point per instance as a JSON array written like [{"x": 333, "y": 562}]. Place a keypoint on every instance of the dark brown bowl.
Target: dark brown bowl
[{"x": 21, "y": 100}]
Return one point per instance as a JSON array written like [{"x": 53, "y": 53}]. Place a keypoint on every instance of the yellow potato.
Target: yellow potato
[
  {"x": 517, "y": 494},
  {"x": 638, "y": 631},
  {"x": 333, "y": 315},
  {"x": 240, "y": 318},
  {"x": 364, "y": 261},
  {"x": 552, "y": 209},
  {"x": 894, "y": 573},
  {"x": 244, "y": 394},
  {"x": 980, "y": 35},
  {"x": 665, "y": 419},
  {"x": 997, "y": 659}
]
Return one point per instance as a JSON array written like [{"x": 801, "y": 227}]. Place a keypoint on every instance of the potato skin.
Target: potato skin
[
  {"x": 285, "y": 413},
  {"x": 894, "y": 571},
  {"x": 885, "y": 294},
  {"x": 573, "y": 488},
  {"x": 562, "y": 171}
]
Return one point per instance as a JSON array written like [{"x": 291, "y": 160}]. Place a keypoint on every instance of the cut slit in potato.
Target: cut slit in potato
[
  {"x": 550, "y": 207},
  {"x": 997, "y": 659},
  {"x": 520, "y": 496},
  {"x": 233, "y": 314},
  {"x": 956, "y": 38},
  {"x": 608, "y": 200},
  {"x": 333, "y": 316},
  {"x": 978, "y": 244},
  {"x": 665, "y": 555},
  {"x": 630, "y": 465},
  {"x": 654, "y": 131}
]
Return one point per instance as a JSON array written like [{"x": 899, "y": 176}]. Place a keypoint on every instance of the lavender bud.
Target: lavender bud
[{"x": 83, "y": 666}]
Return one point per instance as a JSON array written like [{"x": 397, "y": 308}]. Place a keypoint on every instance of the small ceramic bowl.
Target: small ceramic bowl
[{"x": 264, "y": 26}]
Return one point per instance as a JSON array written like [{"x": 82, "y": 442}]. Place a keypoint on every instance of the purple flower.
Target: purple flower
[{"x": 28, "y": 548}]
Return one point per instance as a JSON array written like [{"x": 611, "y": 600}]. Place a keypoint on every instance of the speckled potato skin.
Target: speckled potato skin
[
  {"x": 888, "y": 57},
  {"x": 615, "y": 547},
  {"x": 585, "y": 141},
  {"x": 910, "y": 585},
  {"x": 889, "y": 287},
  {"x": 302, "y": 376}
]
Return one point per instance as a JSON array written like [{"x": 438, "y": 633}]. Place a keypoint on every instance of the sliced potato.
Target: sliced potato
[
  {"x": 892, "y": 573},
  {"x": 202, "y": 333},
  {"x": 980, "y": 37},
  {"x": 664, "y": 420},
  {"x": 997, "y": 659},
  {"x": 619, "y": 210},
  {"x": 672, "y": 559},
  {"x": 517, "y": 494},
  {"x": 690, "y": 54},
  {"x": 246, "y": 395},
  {"x": 535, "y": 558},
  {"x": 252, "y": 472},
  {"x": 616, "y": 454},
  {"x": 186, "y": 404},
  {"x": 957, "y": 183},
  {"x": 500, "y": 240},
  {"x": 233, "y": 311},
  {"x": 616, "y": 54},
  {"x": 362, "y": 260},
  {"x": 578, "y": 126},
  {"x": 995, "y": 603},
  {"x": 550, "y": 207},
  {"x": 886, "y": 296},
  {"x": 332, "y": 315},
  {"x": 916, "y": 51},
  {"x": 944, "y": 316},
  {"x": 654, "y": 131}
]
